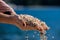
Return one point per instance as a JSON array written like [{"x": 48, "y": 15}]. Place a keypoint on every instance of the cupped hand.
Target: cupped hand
[{"x": 28, "y": 22}]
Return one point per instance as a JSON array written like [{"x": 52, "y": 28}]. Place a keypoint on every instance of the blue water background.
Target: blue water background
[{"x": 50, "y": 15}]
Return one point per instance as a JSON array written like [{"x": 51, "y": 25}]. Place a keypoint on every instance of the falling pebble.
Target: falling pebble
[
  {"x": 43, "y": 36},
  {"x": 41, "y": 39},
  {"x": 53, "y": 37},
  {"x": 35, "y": 32},
  {"x": 38, "y": 34},
  {"x": 48, "y": 34},
  {"x": 33, "y": 36},
  {"x": 26, "y": 37}
]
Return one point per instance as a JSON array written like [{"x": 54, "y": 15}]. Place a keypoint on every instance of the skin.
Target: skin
[{"x": 14, "y": 19}]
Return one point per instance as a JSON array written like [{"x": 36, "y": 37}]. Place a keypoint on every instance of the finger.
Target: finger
[
  {"x": 40, "y": 29},
  {"x": 21, "y": 21},
  {"x": 45, "y": 27}
]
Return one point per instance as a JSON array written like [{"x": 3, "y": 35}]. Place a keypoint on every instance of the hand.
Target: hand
[
  {"x": 27, "y": 22},
  {"x": 24, "y": 22}
]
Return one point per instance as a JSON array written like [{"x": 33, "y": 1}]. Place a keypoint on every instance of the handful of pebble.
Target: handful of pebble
[
  {"x": 32, "y": 21},
  {"x": 43, "y": 36}
]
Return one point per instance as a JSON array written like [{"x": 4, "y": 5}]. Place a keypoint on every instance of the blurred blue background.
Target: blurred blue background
[{"x": 51, "y": 15}]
